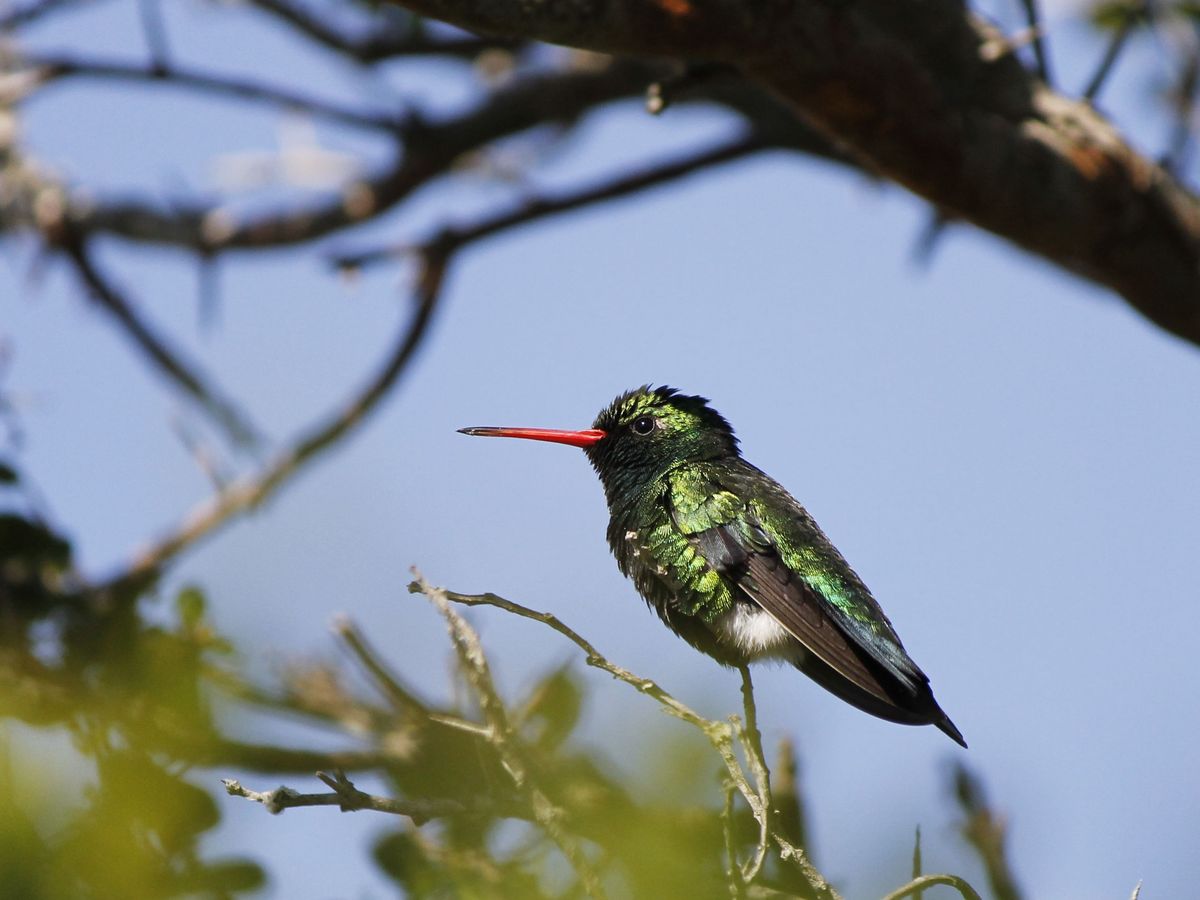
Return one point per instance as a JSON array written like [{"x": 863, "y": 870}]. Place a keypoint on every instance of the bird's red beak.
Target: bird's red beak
[{"x": 553, "y": 435}]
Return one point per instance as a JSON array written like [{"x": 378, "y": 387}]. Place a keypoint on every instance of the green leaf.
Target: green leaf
[{"x": 190, "y": 605}]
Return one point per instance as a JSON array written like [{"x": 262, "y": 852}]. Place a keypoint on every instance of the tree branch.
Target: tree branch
[
  {"x": 155, "y": 348},
  {"x": 1034, "y": 22},
  {"x": 536, "y": 806},
  {"x": 539, "y": 208},
  {"x": 28, "y": 13},
  {"x": 918, "y": 97},
  {"x": 47, "y": 69},
  {"x": 429, "y": 151},
  {"x": 348, "y": 798},
  {"x": 245, "y": 494},
  {"x": 501, "y": 735},
  {"x": 387, "y": 681},
  {"x": 1115, "y": 44},
  {"x": 757, "y": 760},
  {"x": 380, "y": 43},
  {"x": 720, "y": 734}
]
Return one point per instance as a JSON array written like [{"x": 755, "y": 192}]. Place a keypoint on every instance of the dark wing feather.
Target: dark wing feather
[
  {"x": 807, "y": 616},
  {"x": 881, "y": 680},
  {"x": 762, "y": 577}
]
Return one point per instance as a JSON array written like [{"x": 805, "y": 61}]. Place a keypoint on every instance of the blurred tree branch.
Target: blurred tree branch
[
  {"x": 166, "y": 359},
  {"x": 30, "y": 12},
  {"x": 44, "y": 70},
  {"x": 388, "y": 40},
  {"x": 542, "y": 207},
  {"x": 921, "y": 98},
  {"x": 247, "y": 493},
  {"x": 559, "y": 820}
]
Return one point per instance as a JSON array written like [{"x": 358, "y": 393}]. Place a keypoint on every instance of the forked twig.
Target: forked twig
[{"x": 720, "y": 734}]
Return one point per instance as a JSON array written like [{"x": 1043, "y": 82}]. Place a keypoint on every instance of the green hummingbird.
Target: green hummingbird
[{"x": 731, "y": 562}]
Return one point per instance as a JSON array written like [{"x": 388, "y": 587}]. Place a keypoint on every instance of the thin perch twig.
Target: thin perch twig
[
  {"x": 720, "y": 734},
  {"x": 757, "y": 760}
]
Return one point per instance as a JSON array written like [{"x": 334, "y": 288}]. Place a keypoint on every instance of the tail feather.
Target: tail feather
[
  {"x": 902, "y": 707},
  {"x": 947, "y": 727}
]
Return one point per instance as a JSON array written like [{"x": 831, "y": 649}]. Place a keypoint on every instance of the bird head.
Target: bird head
[{"x": 640, "y": 435}]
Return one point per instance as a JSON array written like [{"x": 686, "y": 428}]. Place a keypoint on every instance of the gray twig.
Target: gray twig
[
  {"x": 501, "y": 735},
  {"x": 536, "y": 806},
  {"x": 720, "y": 734},
  {"x": 348, "y": 798}
]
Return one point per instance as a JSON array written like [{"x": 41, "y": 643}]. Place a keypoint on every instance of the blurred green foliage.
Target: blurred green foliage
[
  {"x": 112, "y": 730},
  {"x": 129, "y": 695}
]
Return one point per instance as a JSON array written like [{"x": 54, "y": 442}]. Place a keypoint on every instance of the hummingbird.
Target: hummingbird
[{"x": 731, "y": 562}]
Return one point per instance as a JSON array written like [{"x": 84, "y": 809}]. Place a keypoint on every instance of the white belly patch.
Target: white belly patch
[{"x": 755, "y": 633}]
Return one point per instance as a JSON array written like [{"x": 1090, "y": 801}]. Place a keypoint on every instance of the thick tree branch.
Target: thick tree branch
[
  {"x": 917, "y": 93},
  {"x": 429, "y": 150}
]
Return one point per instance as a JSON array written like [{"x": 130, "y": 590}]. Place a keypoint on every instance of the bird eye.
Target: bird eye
[{"x": 643, "y": 425}]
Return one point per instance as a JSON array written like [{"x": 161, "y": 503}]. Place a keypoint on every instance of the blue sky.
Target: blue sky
[{"x": 1005, "y": 454}]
